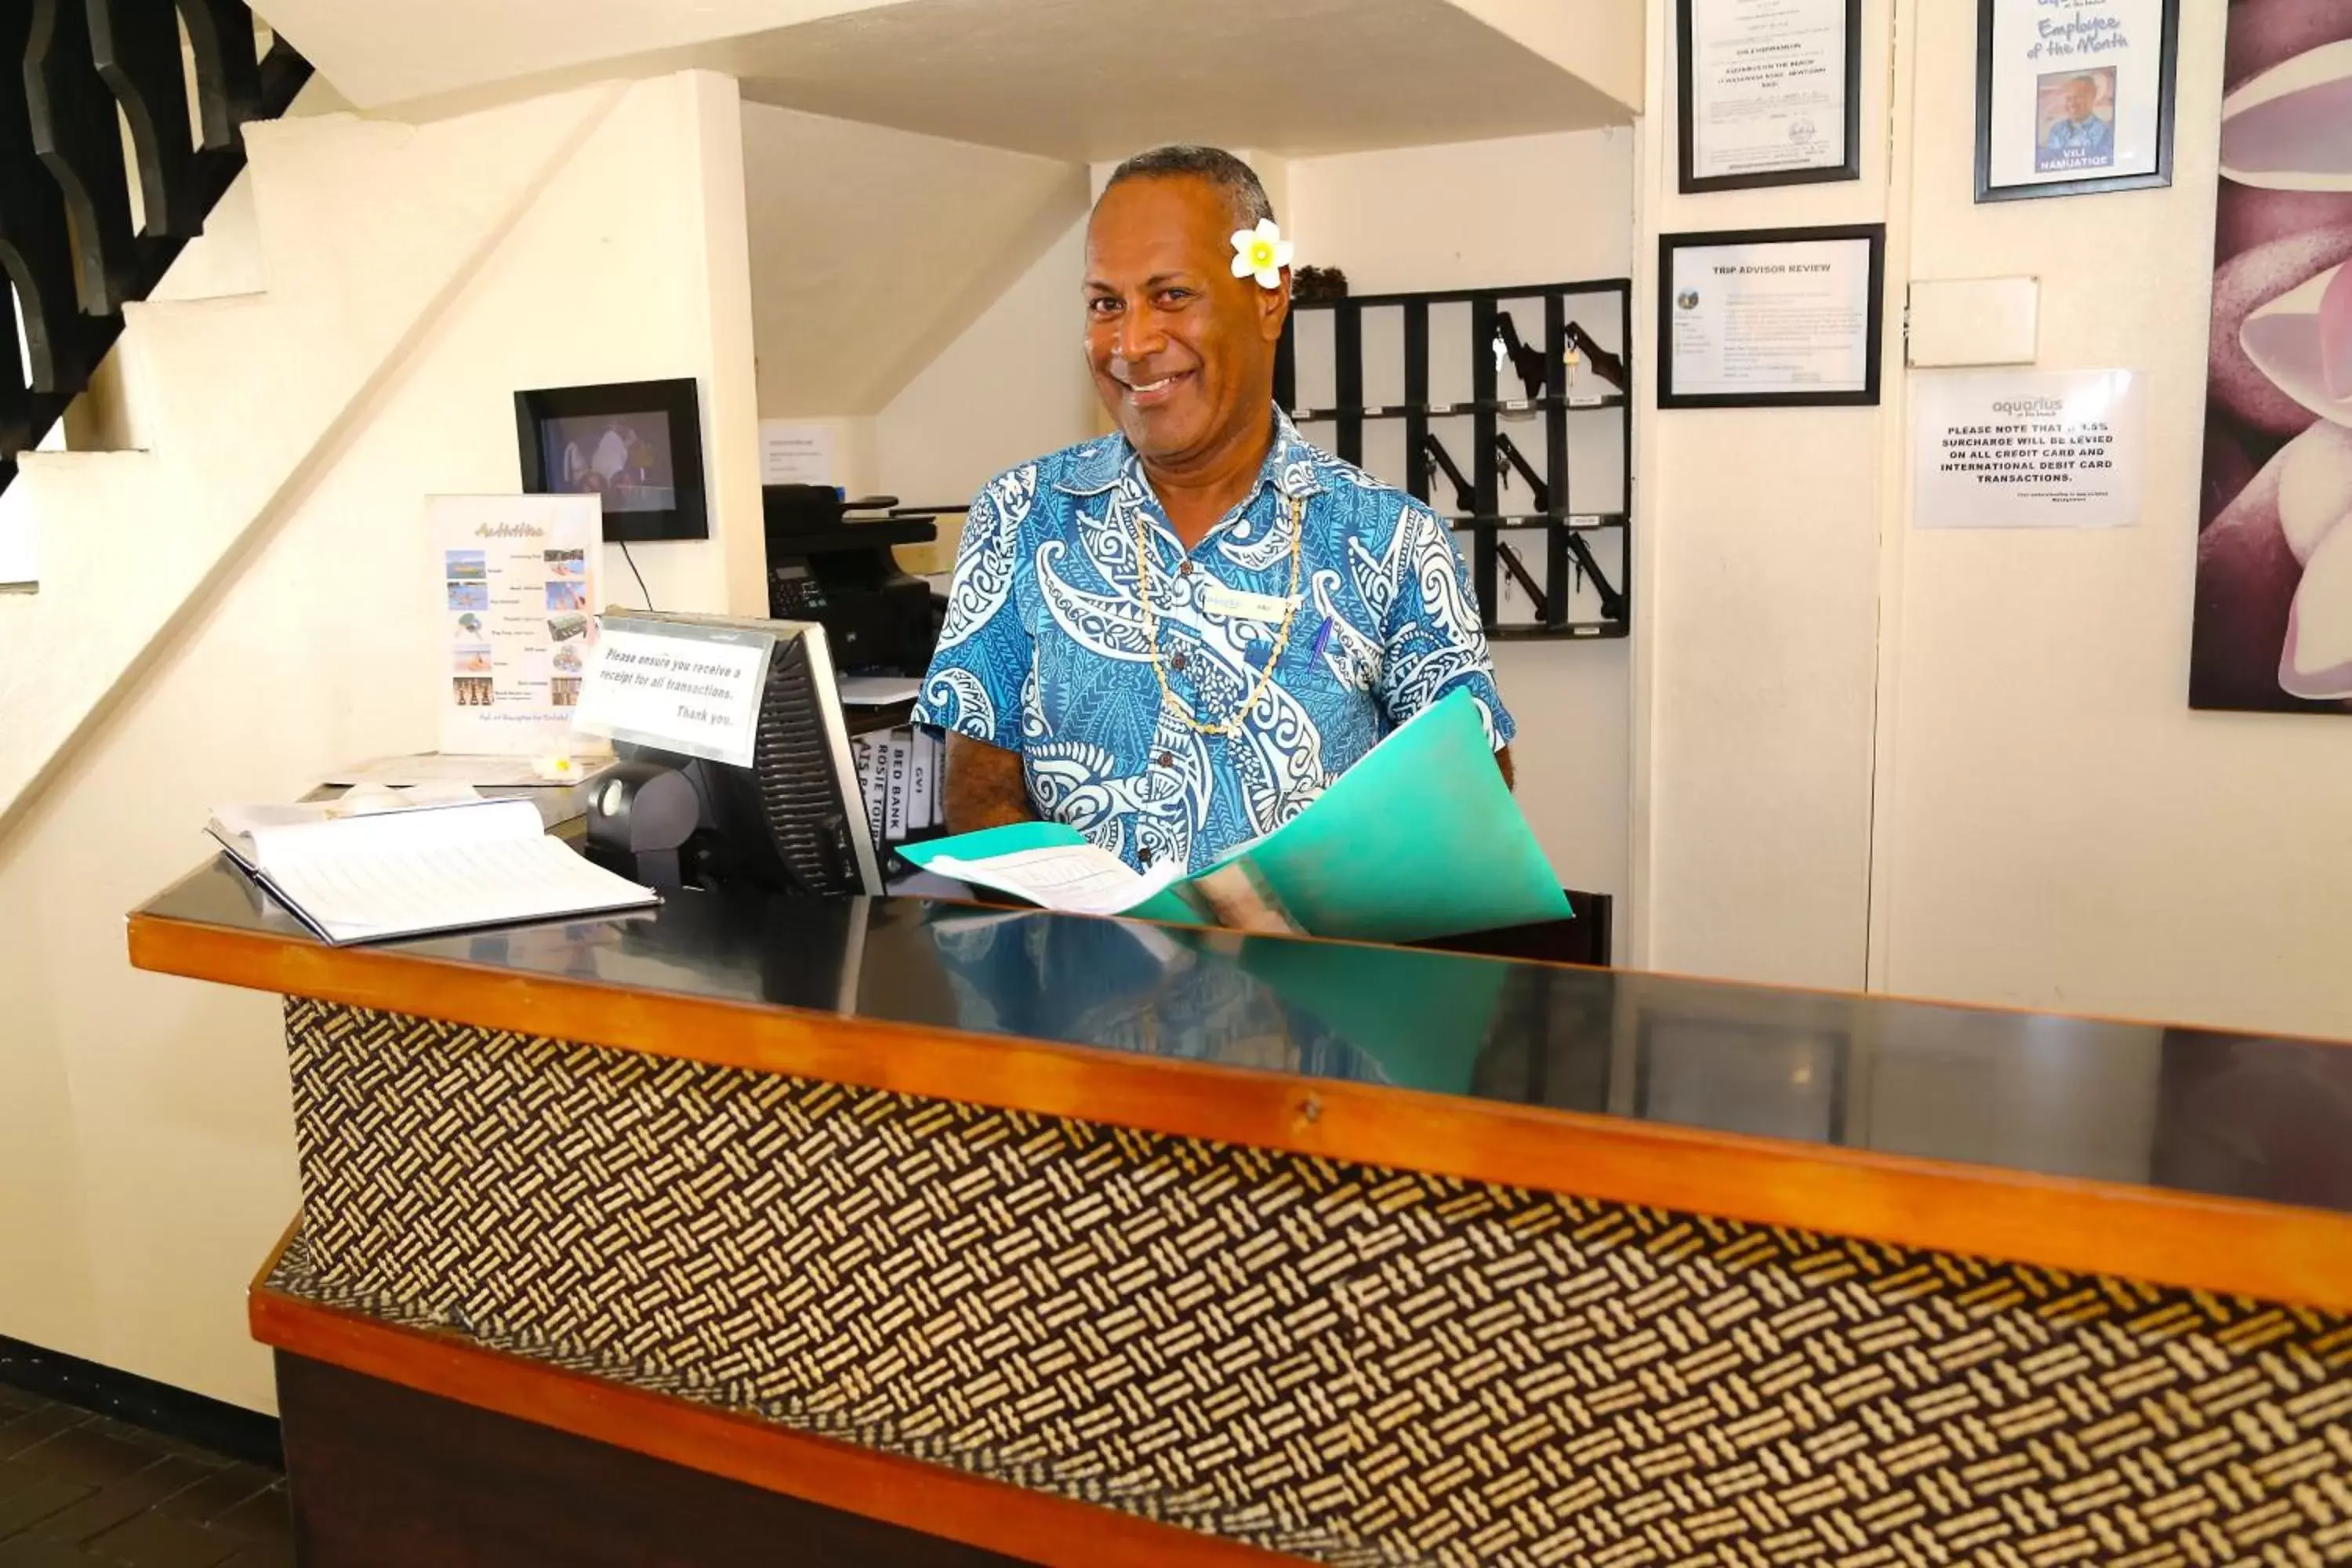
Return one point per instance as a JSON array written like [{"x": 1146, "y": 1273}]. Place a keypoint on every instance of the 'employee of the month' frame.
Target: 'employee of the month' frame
[
  {"x": 1769, "y": 317},
  {"x": 2074, "y": 99}
]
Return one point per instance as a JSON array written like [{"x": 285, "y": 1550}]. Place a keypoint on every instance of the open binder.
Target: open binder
[{"x": 408, "y": 871}]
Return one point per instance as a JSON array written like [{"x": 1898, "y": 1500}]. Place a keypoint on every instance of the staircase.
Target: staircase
[
  {"x": 321, "y": 281},
  {"x": 79, "y": 239}
]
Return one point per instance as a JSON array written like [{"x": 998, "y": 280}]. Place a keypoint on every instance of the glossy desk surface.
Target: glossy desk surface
[{"x": 2172, "y": 1154}]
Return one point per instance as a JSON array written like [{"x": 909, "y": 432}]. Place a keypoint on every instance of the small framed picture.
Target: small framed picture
[
  {"x": 2074, "y": 99},
  {"x": 1770, "y": 92},
  {"x": 1761, "y": 318},
  {"x": 637, "y": 445}
]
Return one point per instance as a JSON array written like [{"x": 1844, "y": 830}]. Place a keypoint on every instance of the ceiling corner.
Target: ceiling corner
[{"x": 1599, "y": 42}]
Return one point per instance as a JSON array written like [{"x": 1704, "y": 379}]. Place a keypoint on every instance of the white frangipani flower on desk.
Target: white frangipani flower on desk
[{"x": 1260, "y": 252}]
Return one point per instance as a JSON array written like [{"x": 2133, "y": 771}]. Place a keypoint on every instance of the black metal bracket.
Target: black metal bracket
[
  {"x": 1528, "y": 361},
  {"x": 1525, "y": 579},
  {"x": 1539, "y": 492},
  {"x": 1612, "y": 603},
  {"x": 1435, "y": 455},
  {"x": 1609, "y": 367}
]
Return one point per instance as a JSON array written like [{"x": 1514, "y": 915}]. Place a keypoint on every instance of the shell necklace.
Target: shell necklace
[{"x": 1231, "y": 725}]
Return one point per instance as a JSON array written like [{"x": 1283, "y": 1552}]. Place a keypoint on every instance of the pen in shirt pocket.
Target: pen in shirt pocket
[{"x": 1322, "y": 641}]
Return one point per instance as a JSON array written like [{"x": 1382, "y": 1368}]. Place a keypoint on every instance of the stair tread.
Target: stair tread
[
  {"x": 32, "y": 460},
  {"x": 63, "y": 76}
]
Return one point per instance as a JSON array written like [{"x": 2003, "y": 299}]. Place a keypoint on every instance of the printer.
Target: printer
[{"x": 829, "y": 561}]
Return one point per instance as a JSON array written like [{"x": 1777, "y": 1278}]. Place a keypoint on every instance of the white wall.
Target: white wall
[
  {"x": 1013, "y": 385},
  {"x": 872, "y": 248},
  {"x": 1961, "y": 764},
  {"x": 146, "y": 1154},
  {"x": 906, "y": 293},
  {"x": 998, "y": 394},
  {"x": 1534, "y": 209},
  {"x": 2056, "y": 827},
  {"x": 1755, "y": 656}
]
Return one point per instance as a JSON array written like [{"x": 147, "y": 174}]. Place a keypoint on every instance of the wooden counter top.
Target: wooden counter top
[{"x": 2172, "y": 1155}]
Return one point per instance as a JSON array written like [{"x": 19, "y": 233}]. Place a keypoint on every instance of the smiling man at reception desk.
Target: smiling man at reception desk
[{"x": 1175, "y": 638}]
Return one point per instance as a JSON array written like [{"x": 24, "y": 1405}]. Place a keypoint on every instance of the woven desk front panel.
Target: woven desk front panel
[{"x": 1349, "y": 1363}]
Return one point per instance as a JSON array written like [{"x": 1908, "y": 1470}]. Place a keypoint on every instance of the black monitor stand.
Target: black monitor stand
[{"x": 793, "y": 821}]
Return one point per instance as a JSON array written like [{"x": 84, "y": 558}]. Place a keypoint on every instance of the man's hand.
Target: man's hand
[
  {"x": 1240, "y": 902},
  {"x": 985, "y": 786},
  {"x": 1503, "y": 761}
]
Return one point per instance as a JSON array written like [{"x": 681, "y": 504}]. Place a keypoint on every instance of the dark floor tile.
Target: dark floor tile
[
  {"x": 152, "y": 1541},
  {"x": 15, "y": 1401},
  {"x": 27, "y": 1505},
  {"x": 38, "y": 1427},
  {"x": 217, "y": 1493},
  {"x": 31, "y": 1551},
  {"x": 14, "y": 1477},
  {"x": 273, "y": 1554},
  {"x": 88, "y": 1455},
  {"x": 264, "y": 1517},
  {"x": 111, "y": 1505},
  {"x": 139, "y": 1436}
]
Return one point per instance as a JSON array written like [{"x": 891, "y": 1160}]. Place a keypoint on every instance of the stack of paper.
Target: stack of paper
[{"x": 1420, "y": 838}]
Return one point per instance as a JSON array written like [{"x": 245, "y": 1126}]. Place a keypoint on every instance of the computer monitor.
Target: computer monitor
[{"x": 793, "y": 822}]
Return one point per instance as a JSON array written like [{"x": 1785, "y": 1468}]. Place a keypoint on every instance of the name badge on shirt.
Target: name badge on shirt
[{"x": 1238, "y": 605}]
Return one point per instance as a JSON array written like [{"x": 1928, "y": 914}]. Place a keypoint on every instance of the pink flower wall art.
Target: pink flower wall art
[{"x": 2273, "y": 611}]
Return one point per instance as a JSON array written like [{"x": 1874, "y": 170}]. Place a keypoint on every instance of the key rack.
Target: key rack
[{"x": 1417, "y": 390}]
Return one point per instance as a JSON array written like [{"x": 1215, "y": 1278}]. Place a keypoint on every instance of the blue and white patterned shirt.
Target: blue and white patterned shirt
[{"x": 1044, "y": 651}]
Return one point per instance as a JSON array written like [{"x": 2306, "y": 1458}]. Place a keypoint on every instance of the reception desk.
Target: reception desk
[{"x": 894, "y": 1231}]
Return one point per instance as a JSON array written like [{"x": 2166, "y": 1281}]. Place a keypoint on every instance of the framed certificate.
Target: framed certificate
[
  {"x": 1770, "y": 92},
  {"x": 1763, "y": 317},
  {"x": 2074, "y": 99}
]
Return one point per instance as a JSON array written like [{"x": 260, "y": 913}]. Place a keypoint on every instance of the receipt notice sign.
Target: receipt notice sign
[{"x": 685, "y": 688}]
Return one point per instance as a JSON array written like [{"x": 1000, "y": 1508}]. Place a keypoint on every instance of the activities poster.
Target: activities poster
[
  {"x": 2272, "y": 628},
  {"x": 515, "y": 580}
]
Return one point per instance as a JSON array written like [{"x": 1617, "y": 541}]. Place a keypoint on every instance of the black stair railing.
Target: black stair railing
[{"x": 67, "y": 239}]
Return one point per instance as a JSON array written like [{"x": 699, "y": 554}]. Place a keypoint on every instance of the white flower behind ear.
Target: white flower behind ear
[{"x": 1260, "y": 252}]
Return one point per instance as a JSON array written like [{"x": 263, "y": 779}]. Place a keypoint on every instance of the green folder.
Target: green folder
[{"x": 1420, "y": 838}]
